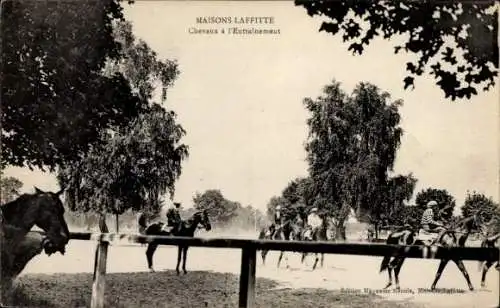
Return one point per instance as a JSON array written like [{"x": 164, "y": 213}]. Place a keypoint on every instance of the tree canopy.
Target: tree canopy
[
  {"x": 134, "y": 165},
  {"x": 443, "y": 199},
  {"x": 393, "y": 210},
  {"x": 455, "y": 41},
  {"x": 351, "y": 147},
  {"x": 10, "y": 188},
  {"x": 131, "y": 170},
  {"x": 55, "y": 99},
  {"x": 488, "y": 210},
  {"x": 221, "y": 210}
]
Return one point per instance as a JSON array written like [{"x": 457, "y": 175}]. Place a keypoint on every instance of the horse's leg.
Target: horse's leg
[
  {"x": 304, "y": 255},
  {"x": 462, "y": 268},
  {"x": 486, "y": 267},
  {"x": 149, "y": 254},
  {"x": 397, "y": 269},
  {"x": 263, "y": 253},
  {"x": 322, "y": 259},
  {"x": 184, "y": 257},
  {"x": 389, "y": 274},
  {"x": 279, "y": 259},
  {"x": 316, "y": 259},
  {"x": 286, "y": 259},
  {"x": 440, "y": 270},
  {"x": 179, "y": 255}
]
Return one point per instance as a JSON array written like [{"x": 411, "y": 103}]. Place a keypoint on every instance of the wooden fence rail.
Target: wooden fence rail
[{"x": 249, "y": 255}]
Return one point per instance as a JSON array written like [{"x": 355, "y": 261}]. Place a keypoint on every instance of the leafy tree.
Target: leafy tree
[
  {"x": 286, "y": 208},
  {"x": 298, "y": 194},
  {"x": 351, "y": 148},
  {"x": 56, "y": 101},
  {"x": 132, "y": 166},
  {"x": 443, "y": 198},
  {"x": 10, "y": 188},
  {"x": 488, "y": 210},
  {"x": 220, "y": 210},
  {"x": 132, "y": 170},
  {"x": 451, "y": 31},
  {"x": 392, "y": 210},
  {"x": 409, "y": 214}
]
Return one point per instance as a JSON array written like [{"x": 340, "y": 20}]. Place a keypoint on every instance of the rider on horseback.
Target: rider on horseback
[
  {"x": 174, "y": 218},
  {"x": 429, "y": 224},
  {"x": 313, "y": 222},
  {"x": 279, "y": 221}
]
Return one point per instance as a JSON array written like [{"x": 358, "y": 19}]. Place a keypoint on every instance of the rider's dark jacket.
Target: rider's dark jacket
[{"x": 173, "y": 217}]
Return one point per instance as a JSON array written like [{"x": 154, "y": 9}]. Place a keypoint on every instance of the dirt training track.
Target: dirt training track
[{"x": 347, "y": 273}]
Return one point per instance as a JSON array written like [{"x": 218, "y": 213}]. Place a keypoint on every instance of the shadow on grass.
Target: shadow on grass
[{"x": 166, "y": 289}]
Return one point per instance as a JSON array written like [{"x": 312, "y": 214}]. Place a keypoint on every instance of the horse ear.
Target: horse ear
[{"x": 38, "y": 190}]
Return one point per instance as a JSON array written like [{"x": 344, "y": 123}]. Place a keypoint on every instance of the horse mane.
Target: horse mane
[
  {"x": 191, "y": 219},
  {"x": 466, "y": 222},
  {"x": 15, "y": 208}
]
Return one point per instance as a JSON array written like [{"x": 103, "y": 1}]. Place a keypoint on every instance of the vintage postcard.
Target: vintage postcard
[{"x": 309, "y": 154}]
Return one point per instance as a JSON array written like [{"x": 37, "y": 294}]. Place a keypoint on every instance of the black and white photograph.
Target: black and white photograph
[{"x": 190, "y": 154}]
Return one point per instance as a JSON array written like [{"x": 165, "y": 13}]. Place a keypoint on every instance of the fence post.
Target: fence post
[
  {"x": 101, "y": 255},
  {"x": 498, "y": 264},
  {"x": 247, "y": 277}
]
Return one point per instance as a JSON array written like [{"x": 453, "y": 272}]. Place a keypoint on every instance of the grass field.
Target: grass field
[{"x": 165, "y": 289}]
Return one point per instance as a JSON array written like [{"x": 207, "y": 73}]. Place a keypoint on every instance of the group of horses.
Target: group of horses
[
  {"x": 295, "y": 230},
  {"x": 455, "y": 235},
  {"x": 44, "y": 209}
]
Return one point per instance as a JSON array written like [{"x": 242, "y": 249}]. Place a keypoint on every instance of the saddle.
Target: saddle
[
  {"x": 427, "y": 237},
  {"x": 167, "y": 228}
]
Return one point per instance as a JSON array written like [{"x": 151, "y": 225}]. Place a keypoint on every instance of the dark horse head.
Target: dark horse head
[
  {"x": 43, "y": 209},
  {"x": 459, "y": 231},
  {"x": 200, "y": 219}
]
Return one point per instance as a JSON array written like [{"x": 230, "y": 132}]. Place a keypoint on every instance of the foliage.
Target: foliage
[
  {"x": 56, "y": 101},
  {"x": 220, "y": 210},
  {"x": 488, "y": 210},
  {"x": 134, "y": 165},
  {"x": 298, "y": 197},
  {"x": 351, "y": 148},
  {"x": 392, "y": 210},
  {"x": 132, "y": 170},
  {"x": 10, "y": 188},
  {"x": 443, "y": 198},
  {"x": 406, "y": 214},
  {"x": 451, "y": 31}
]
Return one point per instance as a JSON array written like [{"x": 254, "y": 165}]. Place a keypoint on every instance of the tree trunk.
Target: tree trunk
[
  {"x": 340, "y": 231},
  {"x": 117, "y": 223},
  {"x": 103, "y": 227}
]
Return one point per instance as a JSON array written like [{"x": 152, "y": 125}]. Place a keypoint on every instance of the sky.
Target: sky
[{"x": 240, "y": 99}]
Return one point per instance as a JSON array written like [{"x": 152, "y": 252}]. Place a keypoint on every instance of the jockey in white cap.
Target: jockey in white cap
[
  {"x": 428, "y": 223},
  {"x": 313, "y": 222}
]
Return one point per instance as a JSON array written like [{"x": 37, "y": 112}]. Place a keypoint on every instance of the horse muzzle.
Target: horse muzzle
[{"x": 52, "y": 246}]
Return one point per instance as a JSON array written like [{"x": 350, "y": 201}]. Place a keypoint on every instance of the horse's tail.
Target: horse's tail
[
  {"x": 391, "y": 239},
  {"x": 385, "y": 263}
]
